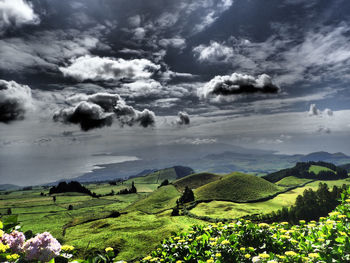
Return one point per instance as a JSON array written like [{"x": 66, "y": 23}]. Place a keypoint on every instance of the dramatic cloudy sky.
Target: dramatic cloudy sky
[{"x": 83, "y": 78}]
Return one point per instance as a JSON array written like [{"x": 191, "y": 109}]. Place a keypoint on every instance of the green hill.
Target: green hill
[
  {"x": 159, "y": 176},
  {"x": 311, "y": 171},
  {"x": 161, "y": 199},
  {"x": 194, "y": 181},
  {"x": 237, "y": 187},
  {"x": 292, "y": 181}
]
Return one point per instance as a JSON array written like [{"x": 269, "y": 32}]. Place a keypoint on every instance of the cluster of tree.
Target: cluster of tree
[
  {"x": 301, "y": 170},
  {"x": 310, "y": 206},
  {"x": 131, "y": 190},
  {"x": 115, "y": 182},
  {"x": 164, "y": 183},
  {"x": 186, "y": 197},
  {"x": 72, "y": 186}
]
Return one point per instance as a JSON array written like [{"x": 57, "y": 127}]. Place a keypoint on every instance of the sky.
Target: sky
[{"x": 89, "y": 82}]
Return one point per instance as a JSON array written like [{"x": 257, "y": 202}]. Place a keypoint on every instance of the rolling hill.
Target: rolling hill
[
  {"x": 156, "y": 177},
  {"x": 309, "y": 170},
  {"x": 237, "y": 187},
  {"x": 194, "y": 181},
  {"x": 161, "y": 199}
]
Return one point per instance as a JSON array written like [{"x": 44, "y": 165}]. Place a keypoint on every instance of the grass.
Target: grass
[
  {"x": 134, "y": 234},
  {"x": 316, "y": 169},
  {"x": 161, "y": 199},
  {"x": 237, "y": 187},
  {"x": 292, "y": 181},
  {"x": 231, "y": 210},
  {"x": 194, "y": 181}
]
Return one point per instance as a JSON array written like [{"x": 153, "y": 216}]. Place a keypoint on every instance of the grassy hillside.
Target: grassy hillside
[
  {"x": 309, "y": 170},
  {"x": 159, "y": 176},
  {"x": 237, "y": 187},
  {"x": 161, "y": 199},
  {"x": 316, "y": 169},
  {"x": 194, "y": 181},
  {"x": 292, "y": 181}
]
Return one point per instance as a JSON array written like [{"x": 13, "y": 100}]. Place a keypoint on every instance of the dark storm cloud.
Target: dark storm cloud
[
  {"x": 100, "y": 109},
  {"x": 236, "y": 84},
  {"x": 16, "y": 13},
  {"x": 15, "y": 101},
  {"x": 87, "y": 115},
  {"x": 183, "y": 118},
  {"x": 127, "y": 115}
]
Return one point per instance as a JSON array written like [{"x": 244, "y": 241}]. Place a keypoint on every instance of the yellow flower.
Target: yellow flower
[
  {"x": 154, "y": 259},
  {"x": 302, "y": 222},
  {"x": 290, "y": 253},
  {"x": 1, "y": 225},
  {"x": 218, "y": 255},
  {"x": 176, "y": 238},
  {"x": 225, "y": 242},
  {"x": 179, "y": 261},
  {"x": 281, "y": 257},
  {"x": 320, "y": 239},
  {"x": 311, "y": 225},
  {"x": 247, "y": 255},
  {"x": 263, "y": 225},
  {"x": 264, "y": 255},
  {"x": 68, "y": 248},
  {"x": 284, "y": 223},
  {"x": 147, "y": 258},
  {"x": 108, "y": 249},
  {"x": 12, "y": 257},
  {"x": 251, "y": 248},
  {"x": 314, "y": 255},
  {"x": 347, "y": 200},
  {"x": 210, "y": 260},
  {"x": 1, "y": 233},
  {"x": 341, "y": 216},
  {"x": 3, "y": 247},
  {"x": 334, "y": 213},
  {"x": 285, "y": 236},
  {"x": 242, "y": 249}
]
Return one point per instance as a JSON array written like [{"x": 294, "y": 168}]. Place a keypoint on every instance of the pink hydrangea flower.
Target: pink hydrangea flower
[
  {"x": 15, "y": 240},
  {"x": 42, "y": 247}
]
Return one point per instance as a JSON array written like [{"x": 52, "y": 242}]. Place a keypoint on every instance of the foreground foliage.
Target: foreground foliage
[{"x": 243, "y": 241}]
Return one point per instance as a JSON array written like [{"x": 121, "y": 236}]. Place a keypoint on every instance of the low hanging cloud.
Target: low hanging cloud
[
  {"x": 103, "y": 68},
  {"x": 15, "y": 101},
  {"x": 15, "y": 13},
  {"x": 100, "y": 110},
  {"x": 88, "y": 115},
  {"x": 183, "y": 118},
  {"x": 314, "y": 111},
  {"x": 238, "y": 84}
]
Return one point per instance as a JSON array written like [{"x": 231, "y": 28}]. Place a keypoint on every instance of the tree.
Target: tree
[
  {"x": 164, "y": 183},
  {"x": 54, "y": 199},
  {"x": 9, "y": 211},
  {"x": 187, "y": 196},
  {"x": 70, "y": 207}
]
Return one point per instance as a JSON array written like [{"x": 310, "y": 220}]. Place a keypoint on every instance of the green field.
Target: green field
[
  {"x": 145, "y": 218},
  {"x": 292, "y": 181},
  {"x": 316, "y": 169}
]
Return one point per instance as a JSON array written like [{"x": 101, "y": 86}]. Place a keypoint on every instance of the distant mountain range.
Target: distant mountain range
[{"x": 229, "y": 159}]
